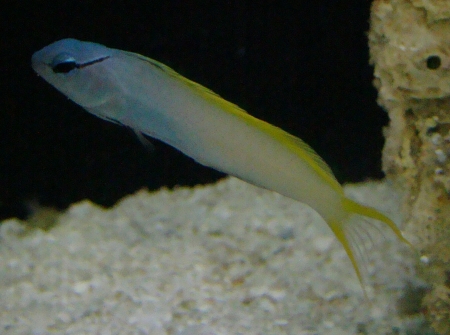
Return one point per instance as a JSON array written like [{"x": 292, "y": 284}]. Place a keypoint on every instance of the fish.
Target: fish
[{"x": 154, "y": 100}]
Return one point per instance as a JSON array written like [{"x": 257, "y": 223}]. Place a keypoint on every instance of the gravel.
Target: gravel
[{"x": 227, "y": 258}]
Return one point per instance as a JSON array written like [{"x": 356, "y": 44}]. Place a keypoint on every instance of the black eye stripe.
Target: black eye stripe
[
  {"x": 67, "y": 66},
  {"x": 80, "y": 66}
]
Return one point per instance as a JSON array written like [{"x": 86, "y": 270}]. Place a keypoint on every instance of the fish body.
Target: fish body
[{"x": 154, "y": 100}]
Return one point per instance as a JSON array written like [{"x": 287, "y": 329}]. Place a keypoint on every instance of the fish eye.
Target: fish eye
[
  {"x": 63, "y": 63},
  {"x": 433, "y": 62},
  {"x": 65, "y": 67}
]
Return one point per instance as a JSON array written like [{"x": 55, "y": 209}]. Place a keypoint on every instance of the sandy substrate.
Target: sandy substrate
[{"x": 222, "y": 259}]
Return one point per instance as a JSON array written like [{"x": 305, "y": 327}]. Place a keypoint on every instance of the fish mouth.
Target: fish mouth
[{"x": 37, "y": 64}]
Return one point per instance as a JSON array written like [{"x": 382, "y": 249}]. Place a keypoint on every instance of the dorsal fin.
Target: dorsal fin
[{"x": 295, "y": 144}]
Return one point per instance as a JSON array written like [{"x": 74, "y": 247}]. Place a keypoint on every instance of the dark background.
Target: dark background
[{"x": 301, "y": 65}]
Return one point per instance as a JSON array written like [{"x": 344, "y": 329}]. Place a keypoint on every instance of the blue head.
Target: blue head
[{"x": 78, "y": 69}]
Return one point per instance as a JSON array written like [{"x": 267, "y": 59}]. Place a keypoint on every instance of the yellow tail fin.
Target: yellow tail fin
[{"x": 343, "y": 231}]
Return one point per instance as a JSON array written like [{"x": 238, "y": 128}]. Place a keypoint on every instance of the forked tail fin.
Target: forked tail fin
[{"x": 350, "y": 238}]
